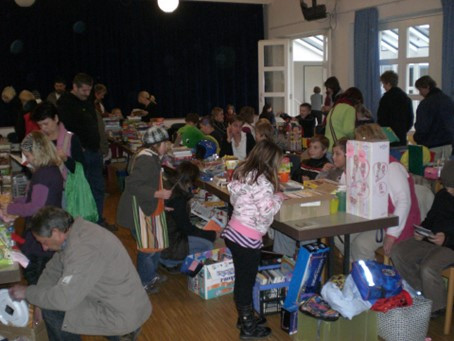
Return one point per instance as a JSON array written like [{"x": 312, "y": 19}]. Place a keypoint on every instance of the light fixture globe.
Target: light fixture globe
[
  {"x": 168, "y": 6},
  {"x": 24, "y": 3}
]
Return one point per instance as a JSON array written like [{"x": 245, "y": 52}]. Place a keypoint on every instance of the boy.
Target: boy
[
  {"x": 310, "y": 168},
  {"x": 316, "y": 103},
  {"x": 306, "y": 120},
  {"x": 206, "y": 126},
  {"x": 420, "y": 260},
  {"x": 189, "y": 135}
]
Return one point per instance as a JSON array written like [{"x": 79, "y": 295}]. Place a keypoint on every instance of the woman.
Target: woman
[
  {"x": 45, "y": 188},
  {"x": 341, "y": 120},
  {"x": 402, "y": 203},
  {"x": 68, "y": 145},
  {"x": 238, "y": 143},
  {"x": 333, "y": 93},
  {"x": 267, "y": 112}
]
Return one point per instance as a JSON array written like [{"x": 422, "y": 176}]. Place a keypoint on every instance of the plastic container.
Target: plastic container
[{"x": 342, "y": 196}]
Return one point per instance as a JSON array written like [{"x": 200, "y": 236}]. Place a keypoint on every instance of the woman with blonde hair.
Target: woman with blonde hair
[{"x": 402, "y": 202}]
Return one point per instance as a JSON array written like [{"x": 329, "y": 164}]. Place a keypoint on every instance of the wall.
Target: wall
[{"x": 285, "y": 20}]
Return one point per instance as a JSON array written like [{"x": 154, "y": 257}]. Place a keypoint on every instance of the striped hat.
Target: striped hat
[{"x": 155, "y": 135}]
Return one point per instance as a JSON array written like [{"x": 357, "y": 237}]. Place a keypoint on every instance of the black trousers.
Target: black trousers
[{"x": 246, "y": 262}]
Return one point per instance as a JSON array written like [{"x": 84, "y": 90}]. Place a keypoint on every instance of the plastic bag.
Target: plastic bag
[
  {"x": 348, "y": 301},
  {"x": 78, "y": 196}
]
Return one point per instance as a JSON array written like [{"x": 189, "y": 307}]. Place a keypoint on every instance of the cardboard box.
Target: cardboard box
[
  {"x": 36, "y": 332},
  {"x": 312, "y": 201},
  {"x": 216, "y": 273},
  {"x": 367, "y": 178}
]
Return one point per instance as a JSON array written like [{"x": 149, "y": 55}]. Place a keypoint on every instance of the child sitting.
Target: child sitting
[
  {"x": 336, "y": 171},
  {"x": 311, "y": 167}
]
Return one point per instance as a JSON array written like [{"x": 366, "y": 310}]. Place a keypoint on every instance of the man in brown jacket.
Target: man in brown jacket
[{"x": 90, "y": 285}]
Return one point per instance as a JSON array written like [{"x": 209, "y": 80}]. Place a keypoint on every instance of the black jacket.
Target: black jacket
[{"x": 396, "y": 111}]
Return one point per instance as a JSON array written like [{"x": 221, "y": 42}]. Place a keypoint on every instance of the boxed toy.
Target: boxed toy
[
  {"x": 211, "y": 273},
  {"x": 367, "y": 178},
  {"x": 305, "y": 279}
]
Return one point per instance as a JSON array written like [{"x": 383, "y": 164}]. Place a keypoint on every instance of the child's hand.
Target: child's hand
[
  {"x": 439, "y": 238},
  {"x": 163, "y": 194},
  {"x": 418, "y": 236},
  {"x": 327, "y": 167}
]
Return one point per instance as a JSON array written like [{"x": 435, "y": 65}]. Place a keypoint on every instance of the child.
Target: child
[
  {"x": 310, "y": 168},
  {"x": 237, "y": 143},
  {"x": 207, "y": 127},
  {"x": 143, "y": 194},
  {"x": 306, "y": 120},
  {"x": 217, "y": 114},
  {"x": 316, "y": 104},
  {"x": 336, "y": 171},
  {"x": 253, "y": 194},
  {"x": 189, "y": 135},
  {"x": 421, "y": 260}
]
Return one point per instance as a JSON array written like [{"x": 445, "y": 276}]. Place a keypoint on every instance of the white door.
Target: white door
[{"x": 275, "y": 73}]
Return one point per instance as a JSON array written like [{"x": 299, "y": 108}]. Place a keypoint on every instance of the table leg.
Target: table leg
[
  {"x": 346, "y": 265},
  {"x": 330, "y": 257}
]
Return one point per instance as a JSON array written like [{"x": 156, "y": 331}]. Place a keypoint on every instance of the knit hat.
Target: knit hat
[
  {"x": 447, "y": 174},
  {"x": 155, "y": 135}
]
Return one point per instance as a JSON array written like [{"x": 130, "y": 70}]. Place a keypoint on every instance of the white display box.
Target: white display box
[{"x": 367, "y": 178}]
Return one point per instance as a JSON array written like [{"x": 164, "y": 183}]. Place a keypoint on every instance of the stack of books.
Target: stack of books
[{"x": 180, "y": 154}]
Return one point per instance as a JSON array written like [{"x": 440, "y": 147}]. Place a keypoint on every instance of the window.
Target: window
[{"x": 411, "y": 48}]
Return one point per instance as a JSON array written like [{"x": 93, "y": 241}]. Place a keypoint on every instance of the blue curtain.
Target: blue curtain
[
  {"x": 366, "y": 57},
  {"x": 202, "y": 55},
  {"x": 447, "y": 64}
]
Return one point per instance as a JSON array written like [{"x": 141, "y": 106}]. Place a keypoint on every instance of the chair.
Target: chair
[{"x": 449, "y": 274}]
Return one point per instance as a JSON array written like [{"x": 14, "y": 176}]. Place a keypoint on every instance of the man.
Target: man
[
  {"x": 149, "y": 103},
  {"x": 306, "y": 120},
  {"x": 395, "y": 109},
  {"x": 90, "y": 285},
  {"x": 60, "y": 88},
  {"x": 78, "y": 115},
  {"x": 434, "y": 127}
]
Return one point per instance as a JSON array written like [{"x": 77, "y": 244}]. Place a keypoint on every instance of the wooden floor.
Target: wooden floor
[{"x": 178, "y": 314}]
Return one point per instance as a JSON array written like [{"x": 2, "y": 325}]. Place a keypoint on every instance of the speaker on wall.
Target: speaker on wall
[{"x": 313, "y": 13}]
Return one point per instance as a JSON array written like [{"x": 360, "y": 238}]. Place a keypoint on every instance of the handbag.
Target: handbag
[
  {"x": 151, "y": 230},
  {"x": 78, "y": 196},
  {"x": 331, "y": 128}
]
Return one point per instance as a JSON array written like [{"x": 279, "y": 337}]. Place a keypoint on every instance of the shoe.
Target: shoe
[
  {"x": 153, "y": 286},
  {"x": 437, "y": 313},
  {"x": 151, "y": 289},
  {"x": 249, "y": 328},
  {"x": 159, "y": 279},
  {"x": 175, "y": 270},
  {"x": 260, "y": 320}
]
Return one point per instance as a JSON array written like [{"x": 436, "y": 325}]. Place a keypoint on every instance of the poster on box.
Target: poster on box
[{"x": 367, "y": 178}]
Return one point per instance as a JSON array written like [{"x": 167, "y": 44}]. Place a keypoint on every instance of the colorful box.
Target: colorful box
[
  {"x": 214, "y": 273},
  {"x": 367, "y": 178}
]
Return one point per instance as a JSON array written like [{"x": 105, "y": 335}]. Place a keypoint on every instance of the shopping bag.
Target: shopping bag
[
  {"x": 151, "y": 230},
  {"x": 78, "y": 196}
]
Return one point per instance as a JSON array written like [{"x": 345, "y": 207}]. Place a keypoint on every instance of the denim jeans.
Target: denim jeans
[
  {"x": 147, "y": 264},
  {"x": 93, "y": 173}
]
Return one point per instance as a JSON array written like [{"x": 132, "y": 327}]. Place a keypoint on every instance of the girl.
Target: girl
[
  {"x": 237, "y": 143},
  {"x": 142, "y": 195},
  {"x": 336, "y": 171},
  {"x": 253, "y": 194},
  {"x": 45, "y": 188}
]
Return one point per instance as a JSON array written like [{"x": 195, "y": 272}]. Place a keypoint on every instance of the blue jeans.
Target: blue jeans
[
  {"x": 54, "y": 321},
  {"x": 93, "y": 173},
  {"x": 147, "y": 264}
]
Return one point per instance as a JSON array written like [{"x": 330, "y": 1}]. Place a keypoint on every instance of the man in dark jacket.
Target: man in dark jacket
[
  {"x": 395, "y": 109},
  {"x": 78, "y": 114},
  {"x": 434, "y": 119}
]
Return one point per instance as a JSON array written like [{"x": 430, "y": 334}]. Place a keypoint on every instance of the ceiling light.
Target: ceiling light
[{"x": 168, "y": 6}]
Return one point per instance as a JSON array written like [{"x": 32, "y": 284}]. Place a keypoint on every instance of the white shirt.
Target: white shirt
[{"x": 240, "y": 150}]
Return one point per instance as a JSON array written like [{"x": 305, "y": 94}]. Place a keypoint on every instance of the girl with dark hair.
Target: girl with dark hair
[{"x": 267, "y": 112}]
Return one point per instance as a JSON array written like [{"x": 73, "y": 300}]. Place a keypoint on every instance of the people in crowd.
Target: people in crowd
[
  {"x": 24, "y": 124},
  {"x": 11, "y": 107},
  {"x": 267, "y": 112},
  {"x": 336, "y": 171},
  {"x": 395, "y": 109},
  {"x": 78, "y": 114},
  {"x": 59, "y": 89},
  {"x": 248, "y": 115},
  {"x": 306, "y": 120},
  {"x": 46, "y": 187},
  {"x": 312, "y": 167},
  {"x": 207, "y": 127},
  {"x": 434, "y": 127},
  {"x": 402, "y": 203},
  {"x": 149, "y": 106},
  {"x": 142, "y": 195},
  {"x": 229, "y": 113},
  {"x": 420, "y": 260},
  {"x": 363, "y": 115},
  {"x": 116, "y": 112},
  {"x": 189, "y": 135},
  {"x": 67, "y": 143},
  {"x": 333, "y": 93},
  {"x": 316, "y": 105},
  {"x": 217, "y": 115},
  {"x": 255, "y": 199},
  {"x": 340, "y": 121},
  {"x": 264, "y": 130},
  {"x": 184, "y": 237},
  {"x": 89, "y": 286},
  {"x": 237, "y": 142},
  {"x": 99, "y": 92}
]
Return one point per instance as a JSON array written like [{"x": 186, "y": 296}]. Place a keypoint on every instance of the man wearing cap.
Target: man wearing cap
[
  {"x": 420, "y": 260},
  {"x": 90, "y": 285},
  {"x": 78, "y": 114},
  {"x": 149, "y": 103}
]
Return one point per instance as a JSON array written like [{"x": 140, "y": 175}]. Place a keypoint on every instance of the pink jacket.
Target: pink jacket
[{"x": 254, "y": 206}]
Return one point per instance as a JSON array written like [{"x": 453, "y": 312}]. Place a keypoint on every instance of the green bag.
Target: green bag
[{"x": 78, "y": 196}]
